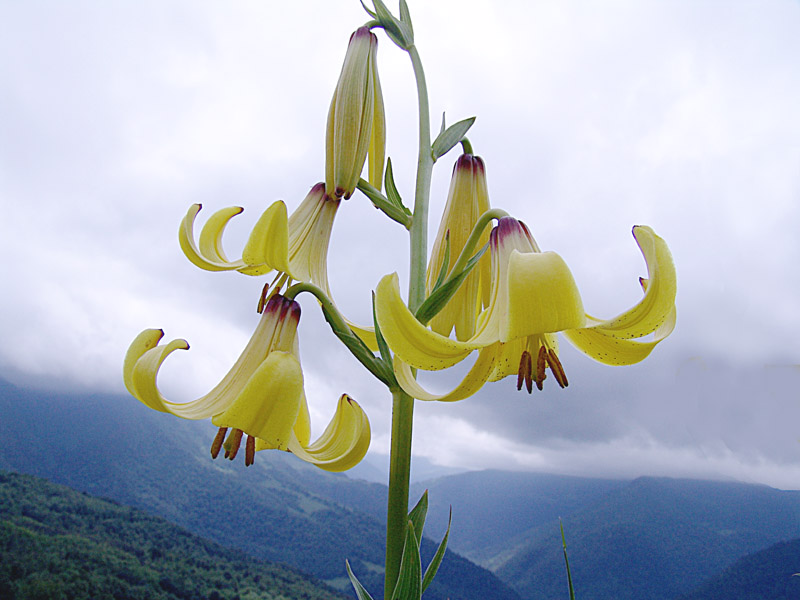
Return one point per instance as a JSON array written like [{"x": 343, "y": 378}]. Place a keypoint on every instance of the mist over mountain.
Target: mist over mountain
[{"x": 648, "y": 539}]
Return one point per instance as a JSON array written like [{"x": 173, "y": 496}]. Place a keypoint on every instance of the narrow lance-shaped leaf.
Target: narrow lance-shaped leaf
[
  {"x": 445, "y": 262},
  {"x": 361, "y": 591},
  {"x": 359, "y": 349},
  {"x": 430, "y": 572},
  {"x": 441, "y": 296},
  {"x": 418, "y": 514},
  {"x": 409, "y": 580},
  {"x": 396, "y": 213},
  {"x": 566, "y": 560},
  {"x": 391, "y": 189},
  {"x": 400, "y": 33},
  {"x": 450, "y": 137},
  {"x": 383, "y": 347},
  {"x": 405, "y": 16}
]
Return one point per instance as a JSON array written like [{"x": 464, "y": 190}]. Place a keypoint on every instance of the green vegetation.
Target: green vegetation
[
  {"x": 56, "y": 543},
  {"x": 766, "y": 575}
]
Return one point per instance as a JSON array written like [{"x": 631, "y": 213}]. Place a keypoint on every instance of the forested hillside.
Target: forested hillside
[{"x": 59, "y": 543}]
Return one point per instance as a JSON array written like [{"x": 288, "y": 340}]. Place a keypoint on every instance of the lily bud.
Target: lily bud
[{"x": 356, "y": 120}]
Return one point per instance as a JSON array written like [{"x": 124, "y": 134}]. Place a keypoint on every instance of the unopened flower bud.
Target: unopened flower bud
[{"x": 356, "y": 121}]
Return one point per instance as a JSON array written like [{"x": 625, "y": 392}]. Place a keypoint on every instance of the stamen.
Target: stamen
[
  {"x": 232, "y": 444},
  {"x": 524, "y": 373},
  {"x": 541, "y": 364},
  {"x": 262, "y": 301},
  {"x": 249, "y": 451},
  {"x": 556, "y": 368},
  {"x": 217, "y": 443}
]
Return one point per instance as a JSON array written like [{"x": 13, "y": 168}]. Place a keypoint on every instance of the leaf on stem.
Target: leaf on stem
[
  {"x": 418, "y": 514},
  {"x": 451, "y": 136},
  {"x": 409, "y": 580},
  {"x": 566, "y": 560},
  {"x": 430, "y": 572},
  {"x": 441, "y": 295},
  {"x": 361, "y": 591}
]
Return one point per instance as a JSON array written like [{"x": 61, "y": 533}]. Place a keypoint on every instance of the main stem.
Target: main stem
[{"x": 402, "y": 403}]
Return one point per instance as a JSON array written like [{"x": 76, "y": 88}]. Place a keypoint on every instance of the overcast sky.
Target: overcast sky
[{"x": 592, "y": 117}]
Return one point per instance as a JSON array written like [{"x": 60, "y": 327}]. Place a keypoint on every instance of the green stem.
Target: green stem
[
  {"x": 402, "y": 403},
  {"x": 399, "y": 477}
]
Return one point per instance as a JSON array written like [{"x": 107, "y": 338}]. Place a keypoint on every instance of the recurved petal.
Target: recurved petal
[
  {"x": 209, "y": 256},
  {"x": 268, "y": 405},
  {"x": 344, "y": 442},
  {"x": 472, "y": 382},
  {"x": 610, "y": 349},
  {"x": 541, "y": 296},
  {"x": 267, "y": 247},
  {"x": 659, "y": 298},
  {"x": 411, "y": 341}
]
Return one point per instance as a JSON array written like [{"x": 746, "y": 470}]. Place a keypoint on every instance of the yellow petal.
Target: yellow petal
[
  {"x": 472, "y": 382},
  {"x": 659, "y": 298},
  {"x": 411, "y": 341},
  {"x": 267, "y": 248},
  {"x": 209, "y": 256},
  {"x": 344, "y": 442},
  {"x": 607, "y": 348},
  {"x": 541, "y": 296},
  {"x": 302, "y": 426},
  {"x": 268, "y": 405}
]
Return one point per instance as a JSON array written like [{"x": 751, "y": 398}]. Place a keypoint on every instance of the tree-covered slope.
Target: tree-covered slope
[
  {"x": 59, "y": 543},
  {"x": 771, "y": 574},
  {"x": 280, "y": 509}
]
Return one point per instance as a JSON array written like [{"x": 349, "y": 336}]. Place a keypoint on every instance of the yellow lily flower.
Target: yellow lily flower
[
  {"x": 356, "y": 119},
  {"x": 295, "y": 246},
  {"x": 262, "y": 395},
  {"x": 533, "y": 297},
  {"x": 467, "y": 200}
]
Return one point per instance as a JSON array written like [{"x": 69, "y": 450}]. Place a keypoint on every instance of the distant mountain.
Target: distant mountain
[
  {"x": 653, "y": 539},
  {"x": 770, "y": 574},
  {"x": 59, "y": 543},
  {"x": 497, "y": 510},
  {"x": 280, "y": 509}
]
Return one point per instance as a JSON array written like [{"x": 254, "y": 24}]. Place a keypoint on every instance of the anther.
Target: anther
[
  {"x": 232, "y": 444},
  {"x": 217, "y": 443},
  {"x": 262, "y": 301},
  {"x": 556, "y": 368},
  {"x": 541, "y": 365},
  {"x": 524, "y": 373},
  {"x": 249, "y": 451}
]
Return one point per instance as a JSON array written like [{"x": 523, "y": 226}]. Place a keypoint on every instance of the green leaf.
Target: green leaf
[
  {"x": 409, "y": 580},
  {"x": 442, "y": 128},
  {"x": 566, "y": 560},
  {"x": 396, "y": 213},
  {"x": 405, "y": 16},
  {"x": 391, "y": 189},
  {"x": 430, "y": 572},
  {"x": 371, "y": 13},
  {"x": 450, "y": 137},
  {"x": 359, "y": 349},
  {"x": 361, "y": 591},
  {"x": 418, "y": 514},
  {"x": 399, "y": 31},
  {"x": 445, "y": 262},
  {"x": 441, "y": 296},
  {"x": 383, "y": 347}
]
